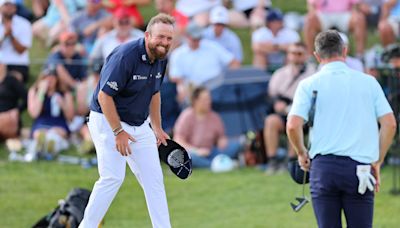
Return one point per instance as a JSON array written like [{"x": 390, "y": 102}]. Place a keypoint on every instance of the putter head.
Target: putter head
[{"x": 302, "y": 201}]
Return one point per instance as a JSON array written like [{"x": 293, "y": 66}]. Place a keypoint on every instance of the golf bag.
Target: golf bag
[{"x": 68, "y": 213}]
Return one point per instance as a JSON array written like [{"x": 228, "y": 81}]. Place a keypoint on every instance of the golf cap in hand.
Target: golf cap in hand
[
  {"x": 297, "y": 173},
  {"x": 177, "y": 158}
]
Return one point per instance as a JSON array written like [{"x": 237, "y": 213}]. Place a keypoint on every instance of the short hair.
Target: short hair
[
  {"x": 299, "y": 44},
  {"x": 328, "y": 44},
  {"x": 160, "y": 18},
  {"x": 196, "y": 93}
]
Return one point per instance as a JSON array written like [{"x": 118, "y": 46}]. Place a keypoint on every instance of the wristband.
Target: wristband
[
  {"x": 116, "y": 129},
  {"x": 119, "y": 130}
]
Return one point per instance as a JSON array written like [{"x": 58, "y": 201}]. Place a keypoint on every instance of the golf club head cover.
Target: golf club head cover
[
  {"x": 177, "y": 158},
  {"x": 365, "y": 178},
  {"x": 297, "y": 173}
]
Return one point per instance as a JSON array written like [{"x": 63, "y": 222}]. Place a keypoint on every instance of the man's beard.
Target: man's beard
[
  {"x": 8, "y": 16},
  {"x": 156, "y": 53}
]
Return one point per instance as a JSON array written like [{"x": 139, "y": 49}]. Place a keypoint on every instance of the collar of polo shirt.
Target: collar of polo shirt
[{"x": 143, "y": 54}]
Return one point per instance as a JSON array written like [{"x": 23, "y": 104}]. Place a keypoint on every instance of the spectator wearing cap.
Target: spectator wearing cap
[
  {"x": 270, "y": 43},
  {"x": 123, "y": 32},
  {"x": 249, "y": 13},
  {"x": 130, "y": 6},
  {"x": 70, "y": 65},
  {"x": 56, "y": 20},
  {"x": 16, "y": 39},
  {"x": 219, "y": 32},
  {"x": 197, "y": 61},
  {"x": 13, "y": 99},
  {"x": 87, "y": 22},
  {"x": 51, "y": 109},
  {"x": 339, "y": 14}
]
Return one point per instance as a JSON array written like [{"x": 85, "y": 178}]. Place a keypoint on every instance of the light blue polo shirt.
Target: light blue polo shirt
[{"x": 348, "y": 106}]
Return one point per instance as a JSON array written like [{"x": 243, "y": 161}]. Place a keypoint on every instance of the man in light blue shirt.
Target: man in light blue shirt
[{"x": 346, "y": 141}]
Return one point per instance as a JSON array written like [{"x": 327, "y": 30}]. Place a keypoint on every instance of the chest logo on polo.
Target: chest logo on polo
[
  {"x": 158, "y": 75},
  {"x": 139, "y": 77},
  {"x": 113, "y": 85}
]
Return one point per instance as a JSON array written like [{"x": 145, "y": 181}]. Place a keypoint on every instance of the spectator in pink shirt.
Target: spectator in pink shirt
[
  {"x": 339, "y": 14},
  {"x": 201, "y": 131}
]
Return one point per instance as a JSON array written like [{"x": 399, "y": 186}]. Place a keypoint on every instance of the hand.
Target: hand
[
  {"x": 280, "y": 107},
  {"x": 376, "y": 172},
  {"x": 365, "y": 178},
  {"x": 43, "y": 85},
  {"x": 122, "y": 143},
  {"x": 304, "y": 161},
  {"x": 203, "y": 152},
  {"x": 161, "y": 136},
  {"x": 7, "y": 28}
]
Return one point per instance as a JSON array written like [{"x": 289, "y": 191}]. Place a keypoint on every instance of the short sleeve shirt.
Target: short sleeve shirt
[
  {"x": 348, "y": 105},
  {"x": 131, "y": 79},
  {"x": 199, "y": 132},
  {"x": 197, "y": 66}
]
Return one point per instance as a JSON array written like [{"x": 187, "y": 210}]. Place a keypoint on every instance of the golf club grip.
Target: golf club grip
[{"x": 311, "y": 113}]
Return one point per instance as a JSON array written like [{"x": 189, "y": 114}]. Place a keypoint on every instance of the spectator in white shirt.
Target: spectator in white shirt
[
  {"x": 270, "y": 43},
  {"x": 15, "y": 40},
  {"x": 219, "y": 32},
  {"x": 123, "y": 32},
  {"x": 197, "y": 61}
]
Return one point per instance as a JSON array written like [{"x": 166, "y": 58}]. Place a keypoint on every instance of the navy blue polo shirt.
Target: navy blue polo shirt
[{"x": 131, "y": 79}]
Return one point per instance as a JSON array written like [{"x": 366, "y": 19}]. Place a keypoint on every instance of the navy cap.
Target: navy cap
[
  {"x": 177, "y": 158},
  {"x": 297, "y": 173},
  {"x": 274, "y": 15}
]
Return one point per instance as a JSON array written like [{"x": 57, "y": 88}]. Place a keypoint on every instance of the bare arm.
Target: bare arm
[
  {"x": 155, "y": 116},
  {"x": 35, "y": 102},
  {"x": 386, "y": 134},
  {"x": 386, "y": 7},
  {"x": 65, "y": 76},
  {"x": 67, "y": 106},
  {"x": 107, "y": 105},
  {"x": 294, "y": 130},
  {"x": 234, "y": 64}
]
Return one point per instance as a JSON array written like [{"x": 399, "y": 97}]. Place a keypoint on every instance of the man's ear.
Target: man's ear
[
  {"x": 344, "y": 51},
  {"x": 317, "y": 56}
]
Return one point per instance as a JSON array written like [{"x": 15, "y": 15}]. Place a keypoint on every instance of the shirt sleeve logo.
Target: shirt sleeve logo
[
  {"x": 113, "y": 85},
  {"x": 139, "y": 77},
  {"x": 158, "y": 75}
]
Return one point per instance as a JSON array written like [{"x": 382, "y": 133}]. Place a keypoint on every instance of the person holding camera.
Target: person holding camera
[{"x": 347, "y": 146}]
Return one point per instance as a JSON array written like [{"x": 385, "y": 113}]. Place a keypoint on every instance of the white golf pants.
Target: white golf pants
[{"x": 144, "y": 163}]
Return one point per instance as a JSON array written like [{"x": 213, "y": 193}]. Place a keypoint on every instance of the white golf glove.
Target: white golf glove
[{"x": 365, "y": 178}]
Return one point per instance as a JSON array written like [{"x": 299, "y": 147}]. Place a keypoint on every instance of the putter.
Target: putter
[{"x": 301, "y": 200}]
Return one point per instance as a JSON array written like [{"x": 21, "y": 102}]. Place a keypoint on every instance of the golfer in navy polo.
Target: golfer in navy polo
[
  {"x": 127, "y": 94},
  {"x": 347, "y": 146}
]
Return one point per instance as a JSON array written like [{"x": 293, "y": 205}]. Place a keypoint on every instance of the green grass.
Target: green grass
[{"x": 243, "y": 198}]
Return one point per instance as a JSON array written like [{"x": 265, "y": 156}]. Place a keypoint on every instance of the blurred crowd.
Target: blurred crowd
[{"x": 81, "y": 33}]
